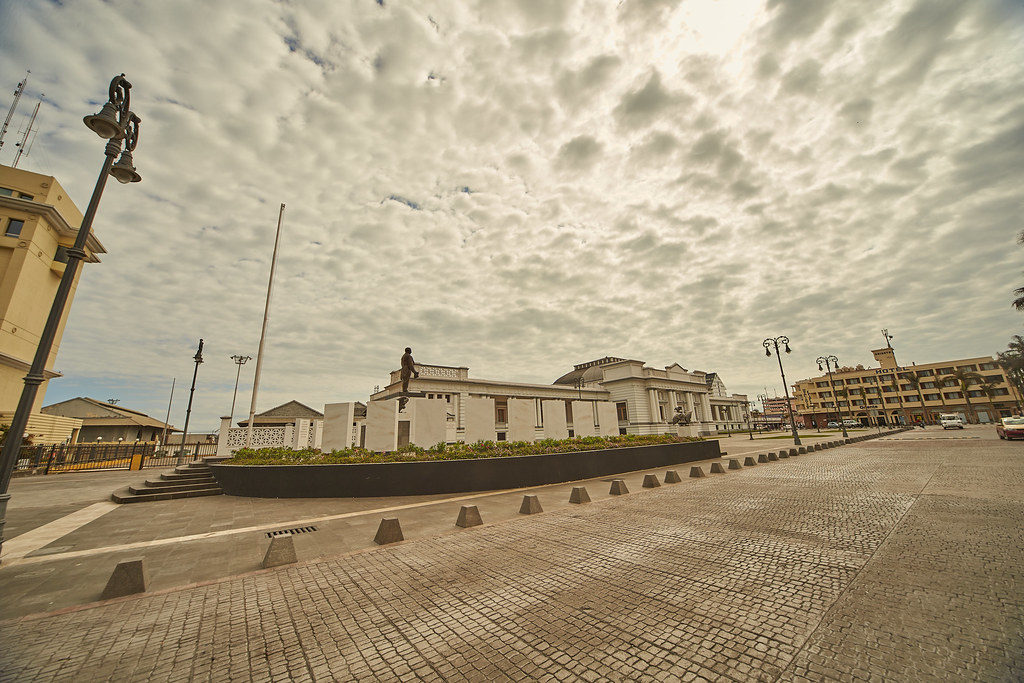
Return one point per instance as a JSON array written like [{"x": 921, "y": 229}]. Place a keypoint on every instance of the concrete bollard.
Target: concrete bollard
[
  {"x": 618, "y": 488},
  {"x": 530, "y": 506},
  {"x": 749, "y": 461},
  {"x": 762, "y": 457},
  {"x": 696, "y": 472},
  {"x": 783, "y": 453},
  {"x": 792, "y": 452},
  {"x": 280, "y": 551},
  {"x": 469, "y": 516},
  {"x": 734, "y": 464},
  {"x": 672, "y": 477},
  {"x": 128, "y": 578},
  {"x": 579, "y": 495},
  {"x": 716, "y": 468},
  {"x": 773, "y": 457},
  {"x": 802, "y": 450},
  {"x": 651, "y": 481},
  {"x": 389, "y": 531}
]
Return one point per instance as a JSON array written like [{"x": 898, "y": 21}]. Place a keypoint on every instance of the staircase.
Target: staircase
[{"x": 185, "y": 481}]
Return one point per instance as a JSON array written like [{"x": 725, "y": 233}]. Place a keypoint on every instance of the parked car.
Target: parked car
[
  {"x": 851, "y": 423},
  {"x": 951, "y": 421},
  {"x": 1011, "y": 428},
  {"x": 832, "y": 425}
]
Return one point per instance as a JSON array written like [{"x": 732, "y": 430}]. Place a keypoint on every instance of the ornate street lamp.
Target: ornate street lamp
[
  {"x": 830, "y": 361},
  {"x": 768, "y": 344},
  {"x": 117, "y": 124},
  {"x": 198, "y": 358},
  {"x": 750, "y": 427}
]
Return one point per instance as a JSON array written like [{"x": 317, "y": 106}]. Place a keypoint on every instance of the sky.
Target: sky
[{"x": 517, "y": 186}]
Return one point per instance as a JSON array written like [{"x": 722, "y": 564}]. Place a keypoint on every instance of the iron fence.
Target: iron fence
[{"x": 54, "y": 458}]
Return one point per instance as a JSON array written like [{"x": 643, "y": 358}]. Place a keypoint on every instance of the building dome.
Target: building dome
[{"x": 590, "y": 371}]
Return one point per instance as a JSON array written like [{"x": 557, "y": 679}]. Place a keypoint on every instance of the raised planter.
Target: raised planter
[{"x": 449, "y": 476}]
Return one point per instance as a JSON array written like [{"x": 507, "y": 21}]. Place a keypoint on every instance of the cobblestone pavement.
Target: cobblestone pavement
[{"x": 890, "y": 559}]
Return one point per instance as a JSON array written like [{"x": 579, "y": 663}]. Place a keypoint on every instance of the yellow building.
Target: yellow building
[
  {"x": 38, "y": 222},
  {"x": 894, "y": 394}
]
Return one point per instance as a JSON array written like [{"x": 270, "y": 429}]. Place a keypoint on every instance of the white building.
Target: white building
[{"x": 646, "y": 400}]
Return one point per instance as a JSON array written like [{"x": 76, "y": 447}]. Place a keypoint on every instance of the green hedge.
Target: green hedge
[{"x": 457, "y": 451}]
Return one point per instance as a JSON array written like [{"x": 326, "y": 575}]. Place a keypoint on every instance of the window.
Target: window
[
  {"x": 661, "y": 413},
  {"x": 501, "y": 436},
  {"x": 14, "y": 227},
  {"x": 853, "y": 380},
  {"x": 6, "y": 192},
  {"x": 620, "y": 409},
  {"x": 954, "y": 394},
  {"x": 910, "y": 399},
  {"x": 931, "y": 397}
]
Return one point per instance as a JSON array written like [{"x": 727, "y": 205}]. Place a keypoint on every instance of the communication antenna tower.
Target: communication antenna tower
[
  {"x": 14, "y": 105},
  {"x": 25, "y": 146}
]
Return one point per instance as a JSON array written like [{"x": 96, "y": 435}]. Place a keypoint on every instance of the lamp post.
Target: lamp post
[
  {"x": 198, "y": 358},
  {"x": 239, "y": 361},
  {"x": 117, "y": 124},
  {"x": 750, "y": 427},
  {"x": 896, "y": 379},
  {"x": 768, "y": 344},
  {"x": 829, "y": 361}
]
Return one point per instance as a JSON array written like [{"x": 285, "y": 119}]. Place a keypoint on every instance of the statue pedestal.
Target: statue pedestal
[{"x": 691, "y": 430}]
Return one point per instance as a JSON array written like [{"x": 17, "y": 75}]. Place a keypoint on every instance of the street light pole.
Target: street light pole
[
  {"x": 750, "y": 427},
  {"x": 198, "y": 358},
  {"x": 117, "y": 124},
  {"x": 829, "y": 361},
  {"x": 163, "y": 438},
  {"x": 775, "y": 341},
  {"x": 240, "y": 361}
]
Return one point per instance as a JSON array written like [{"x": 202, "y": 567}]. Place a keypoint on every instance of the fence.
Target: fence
[{"x": 51, "y": 459}]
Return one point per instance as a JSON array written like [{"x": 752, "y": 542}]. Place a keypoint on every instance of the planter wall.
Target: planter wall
[{"x": 449, "y": 476}]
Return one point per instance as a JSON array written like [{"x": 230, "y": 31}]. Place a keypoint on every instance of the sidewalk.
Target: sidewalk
[{"x": 833, "y": 564}]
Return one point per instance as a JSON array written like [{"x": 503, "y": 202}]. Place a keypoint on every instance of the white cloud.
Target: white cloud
[{"x": 519, "y": 186}]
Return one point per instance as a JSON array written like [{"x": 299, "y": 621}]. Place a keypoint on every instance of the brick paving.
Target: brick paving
[{"x": 894, "y": 559}]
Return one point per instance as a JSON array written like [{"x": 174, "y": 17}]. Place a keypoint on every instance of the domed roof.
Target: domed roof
[{"x": 590, "y": 371}]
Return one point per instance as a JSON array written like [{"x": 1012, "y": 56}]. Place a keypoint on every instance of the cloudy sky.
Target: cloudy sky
[{"x": 520, "y": 185}]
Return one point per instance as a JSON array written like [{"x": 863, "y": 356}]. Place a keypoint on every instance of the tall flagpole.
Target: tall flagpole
[{"x": 263, "y": 333}]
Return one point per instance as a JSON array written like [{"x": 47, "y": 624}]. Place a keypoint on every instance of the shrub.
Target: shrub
[{"x": 442, "y": 451}]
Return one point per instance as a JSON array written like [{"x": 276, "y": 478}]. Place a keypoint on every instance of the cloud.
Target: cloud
[{"x": 520, "y": 186}]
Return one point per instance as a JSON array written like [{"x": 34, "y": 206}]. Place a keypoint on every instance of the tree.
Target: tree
[
  {"x": 988, "y": 387},
  {"x": 914, "y": 380},
  {"x": 864, "y": 399},
  {"x": 845, "y": 394},
  {"x": 1018, "y": 303},
  {"x": 965, "y": 378},
  {"x": 1012, "y": 363}
]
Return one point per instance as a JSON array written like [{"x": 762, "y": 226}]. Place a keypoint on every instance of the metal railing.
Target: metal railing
[{"x": 55, "y": 458}]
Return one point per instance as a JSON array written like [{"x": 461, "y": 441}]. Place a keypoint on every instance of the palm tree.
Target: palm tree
[
  {"x": 964, "y": 378},
  {"x": 988, "y": 387},
  {"x": 864, "y": 398},
  {"x": 1018, "y": 303},
  {"x": 914, "y": 380},
  {"x": 845, "y": 394}
]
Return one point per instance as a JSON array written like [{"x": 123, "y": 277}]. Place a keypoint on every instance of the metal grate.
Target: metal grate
[{"x": 297, "y": 530}]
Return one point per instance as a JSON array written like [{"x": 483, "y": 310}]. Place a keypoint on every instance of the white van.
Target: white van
[{"x": 950, "y": 421}]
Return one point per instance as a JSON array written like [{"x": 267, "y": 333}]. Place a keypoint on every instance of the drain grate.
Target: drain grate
[{"x": 297, "y": 530}]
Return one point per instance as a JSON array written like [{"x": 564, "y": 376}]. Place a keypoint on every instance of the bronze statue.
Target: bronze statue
[
  {"x": 681, "y": 418},
  {"x": 408, "y": 369}
]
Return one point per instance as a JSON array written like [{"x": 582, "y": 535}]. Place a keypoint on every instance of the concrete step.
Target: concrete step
[
  {"x": 178, "y": 476},
  {"x": 190, "y": 468},
  {"x": 180, "y": 482},
  {"x": 146, "y": 490},
  {"x": 125, "y": 496}
]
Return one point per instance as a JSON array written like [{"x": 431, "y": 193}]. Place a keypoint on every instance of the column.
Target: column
[
  {"x": 705, "y": 401},
  {"x": 222, "y": 438},
  {"x": 652, "y": 400}
]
